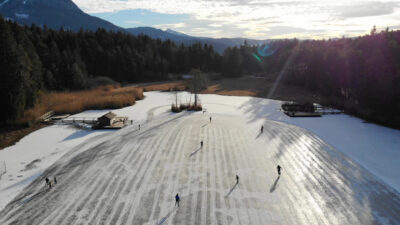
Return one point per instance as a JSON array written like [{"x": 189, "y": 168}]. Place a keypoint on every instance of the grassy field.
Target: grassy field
[
  {"x": 245, "y": 86},
  {"x": 166, "y": 86},
  {"x": 261, "y": 87},
  {"x": 106, "y": 97}
]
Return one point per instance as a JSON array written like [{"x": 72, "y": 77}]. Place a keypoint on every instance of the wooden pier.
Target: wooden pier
[{"x": 294, "y": 109}]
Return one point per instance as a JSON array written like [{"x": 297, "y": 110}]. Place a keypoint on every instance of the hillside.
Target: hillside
[{"x": 54, "y": 14}]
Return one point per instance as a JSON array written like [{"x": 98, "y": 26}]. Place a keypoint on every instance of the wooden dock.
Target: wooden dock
[
  {"x": 303, "y": 114},
  {"x": 71, "y": 120},
  {"x": 293, "y": 109},
  {"x": 117, "y": 122}
]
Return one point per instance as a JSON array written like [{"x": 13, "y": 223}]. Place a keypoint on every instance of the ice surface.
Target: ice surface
[{"x": 164, "y": 160}]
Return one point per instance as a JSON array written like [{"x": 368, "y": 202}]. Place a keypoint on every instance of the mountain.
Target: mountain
[
  {"x": 219, "y": 44},
  {"x": 160, "y": 34},
  {"x": 58, "y": 14},
  {"x": 179, "y": 38},
  {"x": 53, "y": 13},
  {"x": 176, "y": 33}
]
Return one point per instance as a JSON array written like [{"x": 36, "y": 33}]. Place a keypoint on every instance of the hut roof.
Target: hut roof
[{"x": 109, "y": 115}]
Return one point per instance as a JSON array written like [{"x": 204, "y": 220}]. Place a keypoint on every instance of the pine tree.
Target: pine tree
[{"x": 14, "y": 75}]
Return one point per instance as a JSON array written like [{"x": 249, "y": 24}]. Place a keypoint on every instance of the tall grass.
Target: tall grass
[
  {"x": 169, "y": 86},
  {"x": 105, "y": 97}
]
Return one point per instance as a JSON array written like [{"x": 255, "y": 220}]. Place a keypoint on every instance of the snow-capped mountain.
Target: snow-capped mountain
[
  {"x": 176, "y": 33},
  {"x": 53, "y": 13}
]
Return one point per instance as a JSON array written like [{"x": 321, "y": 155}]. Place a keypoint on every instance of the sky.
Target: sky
[{"x": 256, "y": 19}]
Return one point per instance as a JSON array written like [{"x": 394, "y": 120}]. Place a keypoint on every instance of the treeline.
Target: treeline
[
  {"x": 33, "y": 59},
  {"x": 360, "y": 75}
]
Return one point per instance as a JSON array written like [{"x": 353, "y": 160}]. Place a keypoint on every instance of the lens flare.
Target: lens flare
[
  {"x": 265, "y": 50},
  {"x": 257, "y": 57},
  {"x": 283, "y": 71}
]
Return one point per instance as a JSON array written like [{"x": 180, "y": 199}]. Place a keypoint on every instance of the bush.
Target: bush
[
  {"x": 175, "y": 108},
  {"x": 184, "y": 106},
  {"x": 195, "y": 108}
]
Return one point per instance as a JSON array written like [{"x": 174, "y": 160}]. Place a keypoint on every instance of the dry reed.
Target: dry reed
[{"x": 105, "y": 97}]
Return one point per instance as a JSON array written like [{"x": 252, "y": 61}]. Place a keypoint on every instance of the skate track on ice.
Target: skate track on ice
[{"x": 132, "y": 176}]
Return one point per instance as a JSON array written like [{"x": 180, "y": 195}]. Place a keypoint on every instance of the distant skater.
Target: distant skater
[
  {"x": 49, "y": 184},
  {"x": 279, "y": 169},
  {"x": 55, "y": 180},
  {"x": 139, "y": 126},
  {"x": 237, "y": 179},
  {"x": 201, "y": 143},
  {"x": 262, "y": 128},
  {"x": 177, "y": 199},
  {"x": 210, "y": 119},
  {"x": 47, "y": 181}
]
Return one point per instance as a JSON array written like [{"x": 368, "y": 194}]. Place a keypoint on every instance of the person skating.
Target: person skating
[
  {"x": 139, "y": 126},
  {"x": 201, "y": 143},
  {"x": 210, "y": 119},
  {"x": 47, "y": 181},
  {"x": 177, "y": 199},
  {"x": 279, "y": 169},
  {"x": 55, "y": 180},
  {"x": 237, "y": 179},
  {"x": 262, "y": 128}
]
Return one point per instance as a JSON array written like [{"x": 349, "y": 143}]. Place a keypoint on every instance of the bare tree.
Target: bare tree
[{"x": 197, "y": 83}]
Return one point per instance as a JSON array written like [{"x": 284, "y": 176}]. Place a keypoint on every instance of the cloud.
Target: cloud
[
  {"x": 133, "y": 22},
  {"x": 141, "y": 17},
  {"x": 285, "y": 30},
  {"x": 356, "y": 31},
  {"x": 366, "y": 9},
  {"x": 174, "y": 26},
  {"x": 259, "y": 19}
]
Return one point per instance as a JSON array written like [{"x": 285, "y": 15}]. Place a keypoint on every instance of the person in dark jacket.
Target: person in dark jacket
[
  {"x": 279, "y": 169},
  {"x": 177, "y": 199}
]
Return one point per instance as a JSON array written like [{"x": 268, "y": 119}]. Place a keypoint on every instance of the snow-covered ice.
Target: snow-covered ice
[
  {"x": 27, "y": 160},
  {"x": 138, "y": 172}
]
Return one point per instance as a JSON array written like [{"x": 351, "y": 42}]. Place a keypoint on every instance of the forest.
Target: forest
[{"x": 359, "y": 75}]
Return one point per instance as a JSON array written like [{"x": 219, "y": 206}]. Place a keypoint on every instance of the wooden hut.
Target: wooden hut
[{"x": 107, "y": 119}]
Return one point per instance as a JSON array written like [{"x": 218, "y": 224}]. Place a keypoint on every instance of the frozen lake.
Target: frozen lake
[{"x": 132, "y": 177}]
